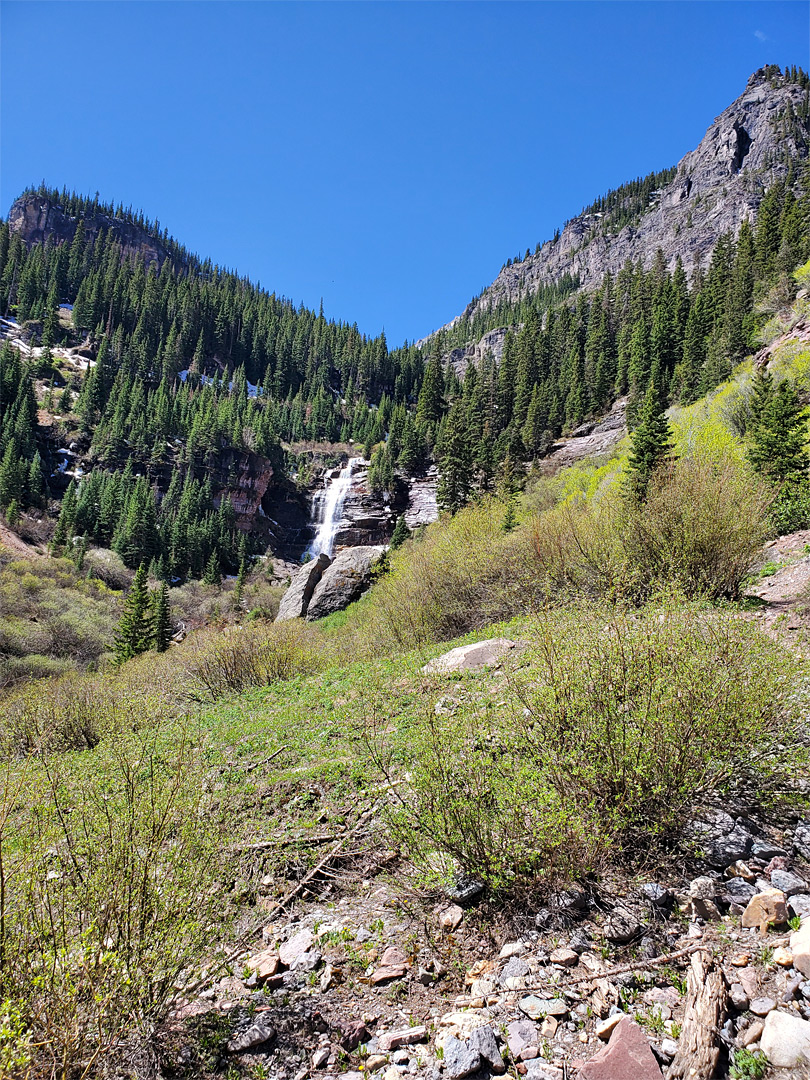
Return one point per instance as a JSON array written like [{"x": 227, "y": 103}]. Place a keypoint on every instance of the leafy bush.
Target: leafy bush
[
  {"x": 700, "y": 529},
  {"x": 620, "y": 724},
  {"x": 108, "y": 865},
  {"x": 252, "y": 654},
  {"x": 465, "y": 572}
]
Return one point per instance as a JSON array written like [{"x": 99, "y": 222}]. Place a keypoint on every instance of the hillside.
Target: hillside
[
  {"x": 759, "y": 139},
  {"x": 535, "y": 804}
]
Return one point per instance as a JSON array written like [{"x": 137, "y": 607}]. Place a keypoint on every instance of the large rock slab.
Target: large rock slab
[
  {"x": 345, "y": 581},
  {"x": 786, "y": 1040},
  {"x": 626, "y": 1057},
  {"x": 296, "y": 600},
  {"x": 480, "y": 654}
]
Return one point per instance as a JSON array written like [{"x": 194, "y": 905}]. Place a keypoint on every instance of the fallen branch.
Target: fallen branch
[
  {"x": 255, "y": 765},
  {"x": 706, "y": 1008},
  {"x": 658, "y": 961},
  {"x": 333, "y": 852},
  {"x": 265, "y": 845}
]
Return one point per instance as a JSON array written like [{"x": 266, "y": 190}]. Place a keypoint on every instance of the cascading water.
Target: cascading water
[{"x": 327, "y": 508}]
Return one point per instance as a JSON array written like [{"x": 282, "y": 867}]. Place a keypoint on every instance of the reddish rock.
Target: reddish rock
[{"x": 626, "y": 1057}]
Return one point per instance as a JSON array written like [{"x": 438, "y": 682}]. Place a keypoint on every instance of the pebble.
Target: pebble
[
  {"x": 393, "y": 1040},
  {"x": 739, "y": 998},
  {"x": 320, "y": 1058},
  {"x": 537, "y": 1008},
  {"x": 564, "y": 957},
  {"x": 255, "y": 1035},
  {"x": 762, "y": 1006},
  {"x": 752, "y": 1033},
  {"x": 604, "y": 1029},
  {"x": 783, "y": 957},
  {"x": 450, "y": 918},
  {"x": 511, "y": 948}
]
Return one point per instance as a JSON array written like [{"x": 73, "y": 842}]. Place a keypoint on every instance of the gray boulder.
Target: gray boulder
[
  {"x": 296, "y": 600},
  {"x": 344, "y": 581},
  {"x": 473, "y": 657}
]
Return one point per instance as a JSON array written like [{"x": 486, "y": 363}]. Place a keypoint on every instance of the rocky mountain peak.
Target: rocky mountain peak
[{"x": 751, "y": 144}]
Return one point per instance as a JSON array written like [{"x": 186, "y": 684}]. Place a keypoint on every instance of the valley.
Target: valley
[{"x": 432, "y": 711}]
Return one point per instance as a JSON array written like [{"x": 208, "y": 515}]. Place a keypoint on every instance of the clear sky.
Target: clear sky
[{"x": 386, "y": 157}]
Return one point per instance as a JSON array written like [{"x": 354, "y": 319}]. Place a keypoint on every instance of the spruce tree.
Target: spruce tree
[
  {"x": 455, "y": 462},
  {"x": 778, "y": 447},
  {"x": 652, "y": 444},
  {"x": 160, "y": 620},
  {"x": 134, "y": 632},
  {"x": 400, "y": 534}
]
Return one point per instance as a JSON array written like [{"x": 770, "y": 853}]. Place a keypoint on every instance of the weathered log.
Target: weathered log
[{"x": 704, "y": 1015}]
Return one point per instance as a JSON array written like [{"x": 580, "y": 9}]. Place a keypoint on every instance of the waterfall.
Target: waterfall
[{"x": 327, "y": 507}]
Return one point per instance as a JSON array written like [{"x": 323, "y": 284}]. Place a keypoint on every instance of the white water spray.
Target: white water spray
[{"x": 327, "y": 508}]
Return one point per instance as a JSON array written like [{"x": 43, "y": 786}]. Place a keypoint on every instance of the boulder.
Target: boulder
[
  {"x": 296, "y": 600},
  {"x": 481, "y": 654},
  {"x": 786, "y": 1040},
  {"x": 344, "y": 581},
  {"x": 460, "y": 1060},
  {"x": 626, "y": 1057},
  {"x": 765, "y": 909},
  {"x": 801, "y": 839}
]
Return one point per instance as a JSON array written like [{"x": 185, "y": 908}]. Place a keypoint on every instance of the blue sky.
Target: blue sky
[{"x": 386, "y": 157}]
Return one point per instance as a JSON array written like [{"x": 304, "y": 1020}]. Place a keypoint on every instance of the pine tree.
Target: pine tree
[
  {"x": 455, "y": 462},
  {"x": 652, "y": 444},
  {"x": 400, "y": 534},
  {"x": 778, "y": 447},
  {"x": 160, "y": 619},
  {"x": 134, "y": 632}
]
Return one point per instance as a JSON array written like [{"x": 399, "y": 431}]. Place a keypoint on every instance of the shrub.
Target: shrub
[
  {"x": 252, "y": 654},
  {"x": 108, "y": 901},
  {"x": 465, "y": 572},
  {"x": 702, "y": 527},
  {"x": 618, "y": 727}
]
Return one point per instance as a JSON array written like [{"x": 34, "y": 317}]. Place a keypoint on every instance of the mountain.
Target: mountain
[
  {"x": 170, "y": 409},
  {"x": 759, "y": 139}
]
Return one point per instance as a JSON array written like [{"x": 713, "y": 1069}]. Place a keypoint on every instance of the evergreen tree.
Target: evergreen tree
[
  {"x": 400, "y": 534},
  {"x": 651, "y": 444},
  {"x": 134, "y": 632},
  {"x": 160, "y": 619},
  {"x": 455, "y": 462},
  {"x": 778, "y": 447}
]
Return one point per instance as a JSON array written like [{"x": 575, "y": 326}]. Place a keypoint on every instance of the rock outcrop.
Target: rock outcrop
[
  {"x": 296, "y": 599},
  {"x": 36, "y": 218},
  {"x": 716, "y": 186},
  {"x": 345, "y": 580}
]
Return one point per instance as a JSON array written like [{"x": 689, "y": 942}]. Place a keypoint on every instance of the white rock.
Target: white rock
[{"x": 786, "y": 1040}]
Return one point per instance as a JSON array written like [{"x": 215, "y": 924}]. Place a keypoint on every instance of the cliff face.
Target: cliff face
[
  {"x": 717, "y": 185},
  {"x": 35, "y": 218}
]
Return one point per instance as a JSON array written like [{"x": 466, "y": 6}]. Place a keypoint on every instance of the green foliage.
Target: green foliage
[
  {"x": 400, "y": 534},
  {"x": 252, "y": 655},
  {"x": 616, "y": 725},
  {"x": 133, "y": 634},
  {"x": 108, "y": 864},
  {"x": 652, "y": 444},
  {"x": 463, "y": 573},
  {"x": 749, "y": 1065}
]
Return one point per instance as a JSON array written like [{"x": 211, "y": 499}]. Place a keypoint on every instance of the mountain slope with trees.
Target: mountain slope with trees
[{"x": 193, "y": 375}]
